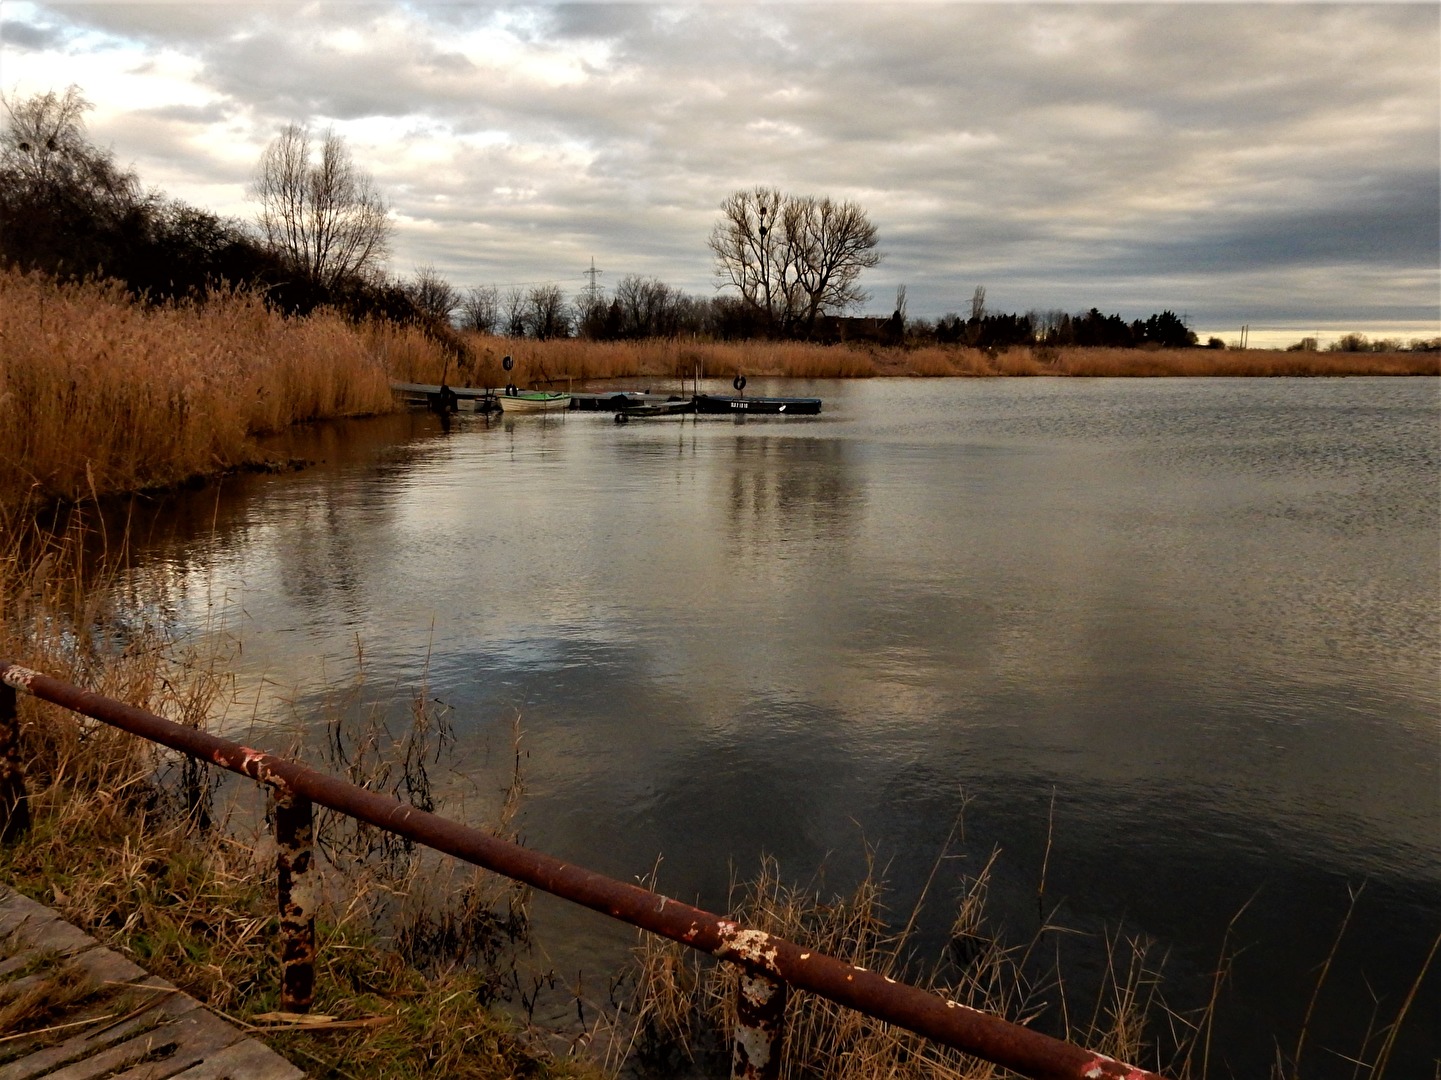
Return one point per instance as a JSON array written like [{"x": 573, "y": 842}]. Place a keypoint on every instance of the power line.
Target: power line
[{"x": 514, "y": 284}]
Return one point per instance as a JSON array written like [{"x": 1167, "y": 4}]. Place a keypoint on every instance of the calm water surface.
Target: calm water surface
[{"x": 1202, "y": 615}]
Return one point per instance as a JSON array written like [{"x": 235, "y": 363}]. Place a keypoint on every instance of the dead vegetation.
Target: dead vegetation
[
  {"x": 99, "y": 394},
  {"x": 685, "y": 1005},
  {"x": 556, "y": 362},
  {"x": 124, "y": 845}
]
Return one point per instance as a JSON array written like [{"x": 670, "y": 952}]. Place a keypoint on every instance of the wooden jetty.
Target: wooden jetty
[
  {"x": 130, "y": 1024},
  {"x": 469, "y": 398}
]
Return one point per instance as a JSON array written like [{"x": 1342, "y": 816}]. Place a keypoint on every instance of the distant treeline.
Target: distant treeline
[{"x": 67, "y": 209}]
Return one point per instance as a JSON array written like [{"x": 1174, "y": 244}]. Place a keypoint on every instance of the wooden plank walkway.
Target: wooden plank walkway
[{"x": 108, "y": 1018}]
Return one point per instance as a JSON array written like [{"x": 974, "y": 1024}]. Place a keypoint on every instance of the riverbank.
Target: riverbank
[
  {"x": 125, "y": 843},
  {"x": 100, "y": 395},
  {"x": 550, "y": 363},
  {"x": 141, "y": 849}
]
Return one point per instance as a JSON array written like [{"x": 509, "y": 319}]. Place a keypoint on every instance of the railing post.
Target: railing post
[
  {"x": 14, "y": 806},
  {"x": 760, "y": 1028},
  {"x": 294, "y": 858}
]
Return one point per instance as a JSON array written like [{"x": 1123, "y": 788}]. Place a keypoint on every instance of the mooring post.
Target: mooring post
[
  {"x": 294, "y": 858},
  {"x": 14, "y": 807},
  {"x": 760, "y": 1028}
]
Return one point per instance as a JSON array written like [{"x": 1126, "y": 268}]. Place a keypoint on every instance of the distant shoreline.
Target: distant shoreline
[{"x": 547, "y": 363}]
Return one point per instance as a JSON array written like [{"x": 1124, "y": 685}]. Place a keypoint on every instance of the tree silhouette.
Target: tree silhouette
[
  {"x": 321, "y": 213},
  {"x": 792, "y": 258}
]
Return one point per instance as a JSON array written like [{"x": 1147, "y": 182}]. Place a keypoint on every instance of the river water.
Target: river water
[{"x": 1185, "y": 630}]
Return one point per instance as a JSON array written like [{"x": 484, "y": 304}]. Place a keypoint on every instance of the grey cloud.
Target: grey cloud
[
  {"x": 190, "y": 114},
  {"x": 1063, "y": 148},
  {"x": 23, "y": 35},
  {"x": 1398, "y": 225},
  {"x": 191, "y": 25}
]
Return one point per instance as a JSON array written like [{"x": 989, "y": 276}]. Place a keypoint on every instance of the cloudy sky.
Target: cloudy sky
[{"x": 1270, "y": 164}]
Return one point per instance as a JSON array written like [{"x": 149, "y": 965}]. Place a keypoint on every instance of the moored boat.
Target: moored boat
[
  {"x": 672, "y": 407},
  {"x": 783, "y": 406},
  {"x": 609, "y": 402},
  {"x": 532, "y": 401}
]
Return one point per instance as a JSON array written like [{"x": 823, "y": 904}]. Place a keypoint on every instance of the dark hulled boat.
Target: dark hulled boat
[{"x": 771, "y": 406}]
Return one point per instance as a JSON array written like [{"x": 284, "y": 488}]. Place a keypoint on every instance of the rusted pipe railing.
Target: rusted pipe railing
[{"x": 766, "y": 956}]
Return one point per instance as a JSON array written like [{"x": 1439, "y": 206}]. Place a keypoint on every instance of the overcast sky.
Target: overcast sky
[{"x": 1262, "y": 163}]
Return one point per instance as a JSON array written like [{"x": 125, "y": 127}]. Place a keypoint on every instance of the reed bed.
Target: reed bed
[
  {"x": 99, "y": 394},
  {"x": 1261, "y": 363},
  {"x": 574, "y": 361},
  {"x": 571, "y": 360}
]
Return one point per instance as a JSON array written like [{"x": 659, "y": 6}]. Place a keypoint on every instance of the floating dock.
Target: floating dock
[{"x": 621, "y": 402}]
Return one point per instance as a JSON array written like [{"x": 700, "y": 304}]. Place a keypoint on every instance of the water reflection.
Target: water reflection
[{"x": 1202, "y": 614}]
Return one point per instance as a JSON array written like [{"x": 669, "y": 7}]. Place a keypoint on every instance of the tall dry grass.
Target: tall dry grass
[
  {"x": 123, "y": 845},
  {"x": 684, "y": 1002},
  {"x": 99, "y": 394},
  {"x": 683, "y": 1005},
  {"x": 1261, "y": 363},
  {"x": 548, "y": 363}
]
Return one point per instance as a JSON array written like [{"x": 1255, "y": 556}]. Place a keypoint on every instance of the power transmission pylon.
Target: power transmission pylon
[{"x": 592, "y": 291}]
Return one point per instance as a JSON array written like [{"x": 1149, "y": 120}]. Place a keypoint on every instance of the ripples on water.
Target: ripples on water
[{"x": 1203, "y": 613}]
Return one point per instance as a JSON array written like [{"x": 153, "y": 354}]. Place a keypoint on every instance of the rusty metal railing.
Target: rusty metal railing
[{"x": 769, "y": 963}]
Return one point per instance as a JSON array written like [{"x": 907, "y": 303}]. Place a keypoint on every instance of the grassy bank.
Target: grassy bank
[
  {"x": 100, "y": 395},
  {"x": 124, "y": 845}
]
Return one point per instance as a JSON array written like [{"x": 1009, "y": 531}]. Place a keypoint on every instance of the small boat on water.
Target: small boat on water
[
  {"x": 772, "y": 406},
  {"x": 672, "y": 407},
  {"x": 609, "y": 402},
  {"x": 532, "y": 401}
]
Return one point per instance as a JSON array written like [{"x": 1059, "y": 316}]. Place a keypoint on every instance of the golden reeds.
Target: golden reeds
[
  {"x": 552, "y": 363},
  {"x": 99, "y": 394}
]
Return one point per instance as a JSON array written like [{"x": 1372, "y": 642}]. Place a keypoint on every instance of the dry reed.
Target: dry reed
[
  {"x": 682, "y": 1002},
  {"x": 123, "y": 851},
  {"x": 549, "y": 363},
  {"x": 99, "y": 394}
]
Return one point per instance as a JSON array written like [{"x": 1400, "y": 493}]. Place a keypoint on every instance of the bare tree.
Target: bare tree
[
  {"x": 432, "y": 294},
  {"x": 978, "y": 304},
  {"x": 44, "y": 141},
  {"x": 513, "y": 312},
  {"x": 545, "y": 313},
  {"x": 63, "y": 201},
  {"x": 648, "y": 307},
  {"x": 793, "y": 258},
  {"x": 318, "y": 210},
  {"x": 480, "y": 309}
]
